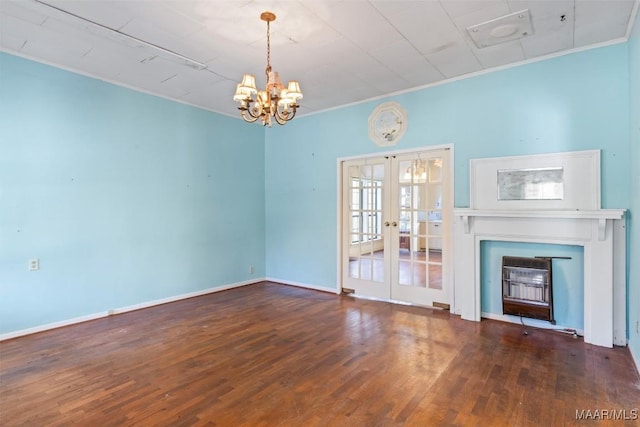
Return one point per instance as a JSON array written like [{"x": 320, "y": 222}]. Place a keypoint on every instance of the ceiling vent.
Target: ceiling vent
[{"x": 500, "y": 30}]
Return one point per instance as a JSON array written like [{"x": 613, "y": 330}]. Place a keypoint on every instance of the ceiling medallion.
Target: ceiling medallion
[
  {"x": 387, "y": 124},
  {"x": 275, "y": 101}
]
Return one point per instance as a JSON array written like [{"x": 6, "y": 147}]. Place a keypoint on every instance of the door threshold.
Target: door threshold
[{"x": 395, "y": 301}]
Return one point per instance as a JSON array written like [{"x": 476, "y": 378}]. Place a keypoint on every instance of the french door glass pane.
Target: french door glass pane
[
  {"x": 412, "y": 178},
  {"x": 419, "y": 275},
  {"x": 365, "y": 210},
  {"x": 435, "y": 276}
]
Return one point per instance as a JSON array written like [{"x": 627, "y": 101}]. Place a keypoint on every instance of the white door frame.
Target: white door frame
[{"x": 339, "y": 207}]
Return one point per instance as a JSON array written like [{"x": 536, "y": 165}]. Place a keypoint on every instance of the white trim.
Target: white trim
[
  {"x": 338, "y": 291},
  {"x": 450, "y": 231},
  {"x": 542, "y": 213},
  {"x": 396, "y": 152},
  {"x": 339, "y": 227},
  {"x": 183, "y": 296},
  {"x": 533, "y": 323},
  {"x": 55, "y": 325},
  {"x": 632, "y": 19},
  {"x": 107, "y": 313}
]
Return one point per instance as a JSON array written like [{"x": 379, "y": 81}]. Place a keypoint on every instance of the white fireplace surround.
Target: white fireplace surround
[
  {"x": 575, "y": 220},
  {"x": 600, "y": 232}
]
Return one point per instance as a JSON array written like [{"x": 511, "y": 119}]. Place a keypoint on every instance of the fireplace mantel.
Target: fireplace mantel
[
  {"x": 601, "y": 215},
  {"x": 600, "y": 232}
]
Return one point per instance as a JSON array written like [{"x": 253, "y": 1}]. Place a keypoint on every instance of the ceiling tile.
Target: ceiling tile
[
  {"x": 427, "y": 27},
  {"x": 107, "y": 13},
  {"x": 23, "y": 11},
  {"x": 546, "y": 15},
  {"x": 207, "y": 13},
  {"x": 401, "y": 58},
  {"x": 56, "y": 42},
  {"x": 150, "y": 77},
  {"x": 217, "y": 97},
  {"x": 368, "y": 30},
  {"x": 390, "y": 7},
  {"x": 493, "y": 10},
  {"x": 149, "y": 32},
  {"x": 455, "y": 61},
  {"x": 548, "y": 42},
  {"x": 500, "y": 54},
  {"x": 383, "y": 79},
  {"x": 13, "y": 30},
  {"x": 11, "y": 42},
  {"x": 597, "y": 22},
  {"x": 458, "y": 8},
  {"x": 190, "y": 80}
]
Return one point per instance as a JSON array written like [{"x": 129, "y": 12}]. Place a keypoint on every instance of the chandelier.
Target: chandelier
[
  {"x": 275, "y": 101},
  {"x": 417, "y": 171}
]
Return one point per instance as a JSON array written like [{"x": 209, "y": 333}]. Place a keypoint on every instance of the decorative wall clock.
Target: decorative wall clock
[{"x": 387, "y": 124}]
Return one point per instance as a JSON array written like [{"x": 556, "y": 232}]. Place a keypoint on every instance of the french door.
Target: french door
[{"x": 395, "y": 240}]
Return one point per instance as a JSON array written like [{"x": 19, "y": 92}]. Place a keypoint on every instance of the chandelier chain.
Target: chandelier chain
[{"x": 268, "y": 48}]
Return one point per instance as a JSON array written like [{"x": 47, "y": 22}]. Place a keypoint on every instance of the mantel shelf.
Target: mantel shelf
[
  {"x": 536, "y": 213},
  {"x": 601, "y": 215}
]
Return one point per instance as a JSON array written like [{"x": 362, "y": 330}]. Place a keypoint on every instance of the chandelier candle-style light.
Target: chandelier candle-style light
[{"x": 275, "y": 101}]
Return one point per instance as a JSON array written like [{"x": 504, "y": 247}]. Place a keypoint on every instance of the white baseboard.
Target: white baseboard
[
  {"x": 98, "y": 315},
  {"x": 183, "y": 296},
  {"x": 54, "y": 325},
  {"x": 534, "y": 323},
  {"x": 302, "y": 285}
]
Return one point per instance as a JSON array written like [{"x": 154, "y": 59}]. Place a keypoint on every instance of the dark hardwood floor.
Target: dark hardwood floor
[
  {"x": 274, "y": 355},
  {"x": 372, "y": 268}
]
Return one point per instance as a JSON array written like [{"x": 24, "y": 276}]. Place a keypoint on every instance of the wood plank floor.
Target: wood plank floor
[{"x": 274, "y": 355}]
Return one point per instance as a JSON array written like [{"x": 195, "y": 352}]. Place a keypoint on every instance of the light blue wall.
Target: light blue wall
[
  {"x": 124, "y": 197},
  {"x": 634, "y": 252},
  {"x": 574, "y": 102},
  {"x": 568, "y": 277}
]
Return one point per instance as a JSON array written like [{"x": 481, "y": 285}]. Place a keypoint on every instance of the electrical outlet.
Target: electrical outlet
[
  {"x": 34, "y": 264},
  {"x": 251, "y": 269}
]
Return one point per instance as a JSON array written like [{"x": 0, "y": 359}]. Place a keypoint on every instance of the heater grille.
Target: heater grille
[{"x": 527, "y": 287}]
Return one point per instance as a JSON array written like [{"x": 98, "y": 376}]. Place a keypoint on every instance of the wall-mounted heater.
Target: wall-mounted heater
[{"x": 527, "y": 287}]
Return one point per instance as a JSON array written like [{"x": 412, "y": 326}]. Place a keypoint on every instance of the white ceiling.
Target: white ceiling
[{"x": 341, "y": 51}]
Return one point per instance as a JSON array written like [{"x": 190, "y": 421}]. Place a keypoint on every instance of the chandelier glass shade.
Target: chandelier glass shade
[{"x": 275, "y": 102}]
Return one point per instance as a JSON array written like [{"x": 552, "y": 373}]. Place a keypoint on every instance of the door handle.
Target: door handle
[
  {"x": 386, "y": 223},
  {"x": 395, "y": 224}
]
